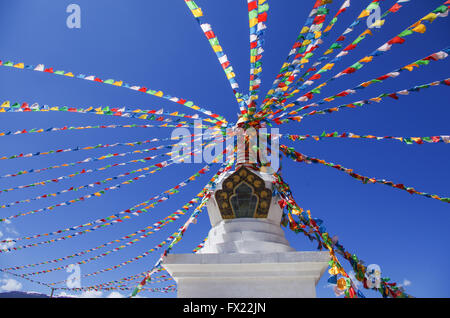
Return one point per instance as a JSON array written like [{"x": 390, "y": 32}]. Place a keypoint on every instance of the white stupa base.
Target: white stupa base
[{"x": 264, "y": 275}]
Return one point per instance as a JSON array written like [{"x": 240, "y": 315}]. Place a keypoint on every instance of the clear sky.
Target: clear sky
[{"x": 159, "y": 45}]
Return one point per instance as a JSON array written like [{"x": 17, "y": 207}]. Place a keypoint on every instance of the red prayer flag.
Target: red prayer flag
[
  {"x": 395, "y": 8},
  {"x": 396, "y": 40},
  {"x": 252, "y": 5}
]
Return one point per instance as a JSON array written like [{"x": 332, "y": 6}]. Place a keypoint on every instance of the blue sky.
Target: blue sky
[{"x": 159, "y": 45}]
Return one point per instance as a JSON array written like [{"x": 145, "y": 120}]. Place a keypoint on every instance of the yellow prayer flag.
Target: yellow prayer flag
[
  {"x": 304, "y": 61},
  {"x": 366, "y": 59},
  {"x": 421, "y": 28},
  {"x": 364, "y": 13},
  {"x": 304, "y": 30},
  {"x": 253, "y": 22},
  {"x": 217, "y": 48},
  {"x": 366, "y": 32},
  {"x": 333, "y": 270},
  {"x": 197, "y": 12},
  {"x": 328, "y": 66},
  {"x": 409, "y": 67},
  {"x": 230, "y": 75},
  {"x": 430, "y": 17}
]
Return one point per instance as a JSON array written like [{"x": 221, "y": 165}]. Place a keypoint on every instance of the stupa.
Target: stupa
[{"x": 246, "y": 254}]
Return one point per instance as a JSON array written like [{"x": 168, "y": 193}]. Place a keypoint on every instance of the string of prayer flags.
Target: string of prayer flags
[
  {"x": 300, "y": 60},
  {"x": 172, "y": 237},
  {"x": 377, "y": 99},
  {"x": 134, "y": 211},
  {"x": 315, "y": 225},
  {"x": 155, "y": 281},
  {"x": 217, "y": 119},
  {"x": 175, "y": 238},
  {"x": 306, "y": 56},
  {"x": 406, "y": 140},
  {"x": 200, "y": 246},
  {"x": 86, "y": 160},
  {"x": 167, "y": 289},
  {"x": 374, "y": 5},
  {"x": 80, "y": 199},
  {"x": 26, "y": 278},
  {"x": 127, "y": 262},
  {"x": 257, "y": 16},
  {"x": 66, "y": 128},
  {"x": 345, "y": 284},
  {"x": 309, "y": 31},
  {"x": 437, "y": 56},
  {"x": 418, "y": 27},
  {"x": 291, "y": 153},
  {"x": 147, "y": 114},
  {"x": 56, "y": 260},
  {"x": 86, "y": 171},
  {"x": 123, "y": 280},
  {"x": 221, "y": 56},
  {"x": 441, "y": 11},
  {"x": 78, "y": 148},
  {"x": 158, "y": 166},
  {"x": 110, "y": 220},
  {"x": 179, "y": 235},
  {"x": 145, "y": 234},
  {"x": 345, "y": 51},
  {"x": 140, "y": 256}
]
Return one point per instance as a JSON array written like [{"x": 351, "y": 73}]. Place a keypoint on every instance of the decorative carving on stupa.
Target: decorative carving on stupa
[{"x": 243, "y": 195}]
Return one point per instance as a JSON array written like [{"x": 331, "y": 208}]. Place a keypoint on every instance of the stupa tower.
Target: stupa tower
[{"x": 246, "y": 254}]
